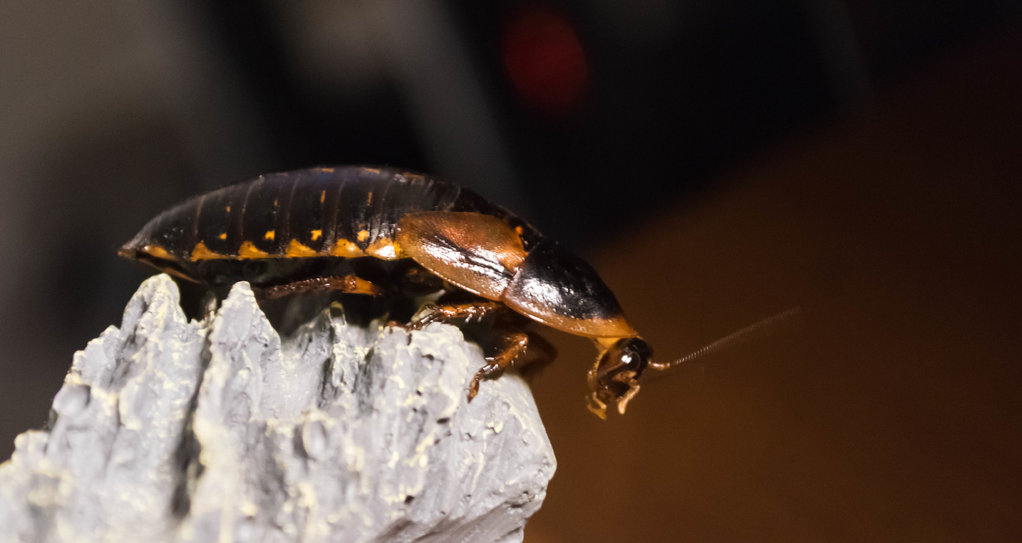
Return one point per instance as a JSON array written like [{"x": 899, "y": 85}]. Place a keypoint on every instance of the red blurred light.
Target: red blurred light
[{"x": 544, "y": 60}]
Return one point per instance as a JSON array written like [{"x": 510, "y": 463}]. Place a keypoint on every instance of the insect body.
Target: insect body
[{"x": 350, "y": 228}]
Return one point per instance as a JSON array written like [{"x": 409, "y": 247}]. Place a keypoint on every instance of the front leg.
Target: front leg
[{"x": 514, "y": 347}]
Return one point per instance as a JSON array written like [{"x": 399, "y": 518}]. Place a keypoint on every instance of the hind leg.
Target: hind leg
[{"x": 348, "y": 284}]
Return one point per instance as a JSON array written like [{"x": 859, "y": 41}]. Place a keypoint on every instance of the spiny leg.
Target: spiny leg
[
  {"x": 514, "y": 346},
  {"x": 445, "y": 313},
  {"x": 348, "y": 284}
]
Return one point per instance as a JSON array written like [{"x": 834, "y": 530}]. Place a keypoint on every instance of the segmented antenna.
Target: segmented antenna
[{"x": 732, "y": 339}]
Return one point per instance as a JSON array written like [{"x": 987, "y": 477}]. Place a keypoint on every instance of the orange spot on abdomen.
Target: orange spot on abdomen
[
  {"x": 296, "y": 249},
  {"x": 201, "y": 252},
  {"x": 249, "y": 251},
  {"x": 345, "y": 249}
]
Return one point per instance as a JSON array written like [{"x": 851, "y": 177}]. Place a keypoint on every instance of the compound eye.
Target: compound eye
[
  {"x": 614, "y": 378},
  {"x": 623, "y": 363},
  {"x": 630, "y": 354}
]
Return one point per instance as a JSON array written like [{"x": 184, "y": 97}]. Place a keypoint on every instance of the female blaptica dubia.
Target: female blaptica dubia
[{"x": 382, "y": 231}]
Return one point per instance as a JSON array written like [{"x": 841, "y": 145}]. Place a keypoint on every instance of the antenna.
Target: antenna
[{"x": 735, "y": 338}]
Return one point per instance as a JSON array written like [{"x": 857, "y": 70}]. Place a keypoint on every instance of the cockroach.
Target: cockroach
[{"x": 374, "y": 231}]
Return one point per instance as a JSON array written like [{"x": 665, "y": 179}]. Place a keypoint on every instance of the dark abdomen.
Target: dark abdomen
[
  {"x": 344, "y": 212},
  {"x": 296, "y": 219}
]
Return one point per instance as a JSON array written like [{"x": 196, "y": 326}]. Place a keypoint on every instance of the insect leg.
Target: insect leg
[
  {"x": 445, "y": 313},
  {"x": 514, "y": 346},
  {"x": 348, "y": 284}
]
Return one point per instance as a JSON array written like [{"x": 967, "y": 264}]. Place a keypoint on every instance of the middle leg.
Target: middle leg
[
  {"x": 514, "y": 346},
  {"x": 467, "y": 312}
]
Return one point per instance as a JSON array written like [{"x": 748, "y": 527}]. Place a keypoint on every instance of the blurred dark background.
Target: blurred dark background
[{"x": 721, "y": 161}]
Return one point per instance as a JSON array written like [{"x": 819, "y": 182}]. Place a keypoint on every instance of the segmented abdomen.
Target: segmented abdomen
[{"x": 344, "y": 212}]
